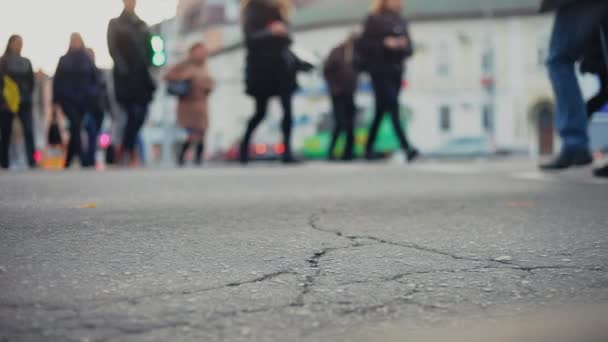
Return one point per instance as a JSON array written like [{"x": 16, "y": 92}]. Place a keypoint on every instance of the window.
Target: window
[
  {"x": 445, "y": 118},
  {"x": 443, "y": 60},
  {"x": 488, "y": 118},
  {"x": 487, "y": 62}
]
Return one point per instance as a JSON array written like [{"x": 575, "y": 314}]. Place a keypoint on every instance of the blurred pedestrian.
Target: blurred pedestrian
[
  {"x": 270, "y": 67},
  {"x": 341, "y": 77},
  {"x": 19, "y": 68},
  {"x": 384, "y": 46},
  {"x": 576, "y": 23},
  {"x": 594, "y": 62},
  {"x": 9, "y": 106},
  {"x": 193, "y": 78},
  {"x": 130, "y": 48},
  {"x": 100, "y": 103},
  {"x": 74, "y": 90}
]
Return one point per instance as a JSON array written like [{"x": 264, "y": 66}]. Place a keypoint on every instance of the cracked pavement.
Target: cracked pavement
[{"x": 282, "y": 254}]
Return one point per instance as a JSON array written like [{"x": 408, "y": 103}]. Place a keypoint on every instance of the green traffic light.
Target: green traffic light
[
  {"x": 159, "y": 59},
  {"x": 158, "y": 44}
]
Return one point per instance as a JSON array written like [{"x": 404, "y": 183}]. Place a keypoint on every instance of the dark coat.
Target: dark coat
[
  {"x": 339, "y": 70},
  {"x": 377, "y": 27},
  {"x": 593, "y": 60},
  {"x": 76, "y": 80},
  {"x": 129, "y": 44},
  {"x": 551, "y": 5},
  {"x": 269, "y": 69},
  {"x": 20, "y": 70}
]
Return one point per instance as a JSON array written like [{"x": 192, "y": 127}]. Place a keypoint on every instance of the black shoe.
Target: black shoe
[
  {"x": 412, "y": 155},
  {"x": 290, "y": 160},
  {"x": 601, "y": 172},
  {"x": 373, "y": 156},
  {"x": 567, "y": 160},
  {"x": 244, "y": 154}
]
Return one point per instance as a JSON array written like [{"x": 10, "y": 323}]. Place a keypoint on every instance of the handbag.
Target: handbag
[{"x": 181, "y": 88}]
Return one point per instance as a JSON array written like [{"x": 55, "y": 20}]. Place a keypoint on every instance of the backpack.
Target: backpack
[{"x": 10, "y": 94}]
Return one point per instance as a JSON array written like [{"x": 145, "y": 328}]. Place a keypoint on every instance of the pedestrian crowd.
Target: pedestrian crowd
[{"x": 81, "y": 93}]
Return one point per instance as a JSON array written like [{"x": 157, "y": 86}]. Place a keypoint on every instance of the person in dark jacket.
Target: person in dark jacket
[
  {"x": 576, "y": 23},
  {"x": 129, "y": 45},
  {"x": 270, "y": 67},
  {"x": 74, "y": 90},
  {"x": 341, "y": 78},
  {"x": 20, "y": 70},
  {"x": 385, "y": 45}
]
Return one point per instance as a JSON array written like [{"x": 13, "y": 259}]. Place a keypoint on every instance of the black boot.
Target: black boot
[
  {"x": 412, "y": 154},
  {"x": 200, "y": 149},
  {"x": 601, "y": 172},
  {"x": 567, "y": 160},
  {"x": 182, "y": 154},
  {"x": 244, "y": 152}
]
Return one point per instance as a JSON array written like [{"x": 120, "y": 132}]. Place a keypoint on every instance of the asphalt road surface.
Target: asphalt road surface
[{"x": 311, "y": 253}]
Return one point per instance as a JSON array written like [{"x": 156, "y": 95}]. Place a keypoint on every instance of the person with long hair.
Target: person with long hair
[
  {"x": 75, "y": 87},
  {"x": 270, "y": 69},
  {"x": 19, "y": 68},
  {"x": 193, "y": 107},
  {"x": 385, "y": 45}
]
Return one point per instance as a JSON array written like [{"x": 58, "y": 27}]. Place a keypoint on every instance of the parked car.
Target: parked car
[{"x": 467, "y": 147}]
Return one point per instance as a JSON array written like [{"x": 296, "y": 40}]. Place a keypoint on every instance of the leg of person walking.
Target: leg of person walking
[
  {"x": 27, "y": 120},
  {"x": 6, "y": 128},
  {"x": 379, "y": 84},
  {"x": 200, "y": 152},
  {"x": 574, "y": 26},
  {"x": 287, "y": 127},
  {"x": 338, "y": 114},
  {"x": 596, "y": 103},
  {"x": 136, "y": 117},
  {"x": 261, "y": 106},
  {"x": 349, "y": 126},
  {"x": 74, "y": 145}
]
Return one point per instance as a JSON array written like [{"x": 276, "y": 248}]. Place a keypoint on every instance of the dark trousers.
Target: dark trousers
[
  {"x": 136, "y": 117},
  {"x": 6, "y": 128},
  {"x": 75, "y": 114},
  {"x": 386, "y": 81},
  {"x": 261, "y": 107},
  {"x": 344, "y": 122},
  {"x": 92, "y": 123},
  {"x": 27, "y": 123},
  {"x": 596, "y": 103}
]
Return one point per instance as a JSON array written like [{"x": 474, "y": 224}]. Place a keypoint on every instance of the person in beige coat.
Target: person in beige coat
[{"x": 193, "y": 108}]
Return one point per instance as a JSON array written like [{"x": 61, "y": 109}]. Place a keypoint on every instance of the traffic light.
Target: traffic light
[{"x": 159, "y": 57}]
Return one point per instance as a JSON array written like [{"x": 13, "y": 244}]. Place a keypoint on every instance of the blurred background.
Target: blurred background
[{"x": 475, "y": 88}]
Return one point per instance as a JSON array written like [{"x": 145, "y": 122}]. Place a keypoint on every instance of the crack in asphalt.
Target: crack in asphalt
[{"x": 314, "y": 224}]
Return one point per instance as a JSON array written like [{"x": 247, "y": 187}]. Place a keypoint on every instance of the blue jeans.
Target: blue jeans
[
  {"x": 92, "y": 124},
  {"x": 574, "y": 26}
]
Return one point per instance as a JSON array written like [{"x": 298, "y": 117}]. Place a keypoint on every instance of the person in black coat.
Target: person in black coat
[
  {"x": 20, "y": 69},
  {"x": 341, "y": 77},
  {"x": 384, "y": 46},
  {"x": 74, "y": 90},
  {"x": 270, "y": 67},
  {"x": 130, "y": 48}
]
